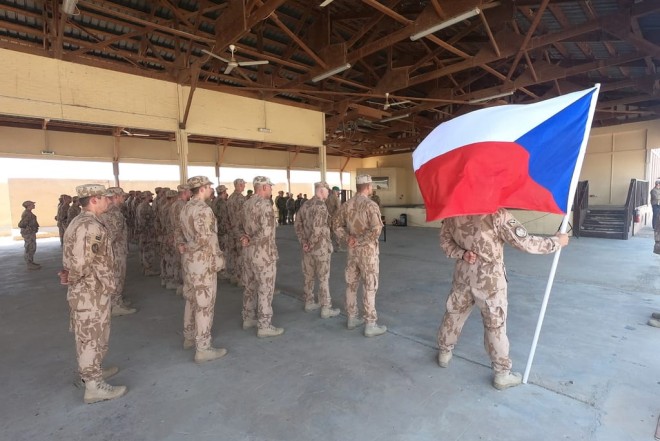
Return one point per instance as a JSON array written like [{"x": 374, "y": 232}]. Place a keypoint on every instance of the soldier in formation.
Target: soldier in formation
[
  {"x": 29, "y": 228},
  {"x": 62, "y": 213},
  {"x": 235, "y": 204}
]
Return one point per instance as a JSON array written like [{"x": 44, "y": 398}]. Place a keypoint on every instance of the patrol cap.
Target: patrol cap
[
  {"x": 90, "y": 190},
  {"x": 182, "y": 187},
  {"x": 221, "y": 188},
  {"x": 171, "y": 194},
  {"x": 147, "y": 193},
  {"x": 335, "y": 188},
  {"x": 261, "y": 180},
  {"x": 238, "y": 181},
  {"x": 157, "y": 189},
  {"x": 75, "y": 199},
  {"x": 118, "y": 191},
  {"x": 198, "y": 181},
  {"x": 363, "y": 179},
  {"x": 317, "y": 185},
  {"x": 27, "y": 203},
  {"x": 165, "y": 189}
]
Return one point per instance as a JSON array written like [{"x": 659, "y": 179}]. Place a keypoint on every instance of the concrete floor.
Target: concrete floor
[{"x": 596, "y": 374}]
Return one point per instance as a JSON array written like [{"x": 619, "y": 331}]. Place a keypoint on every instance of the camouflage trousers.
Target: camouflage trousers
[
  {"x": 61, "y": 230},
  {"x": 317, "y": 266},
  {"x": 235, "y": 262},
  {"x": 169, "y": 257},
  {"x": 493, "y": 306},
  {"x": 200, "y": 285},
  {"x": 91, "y": 330},
  {"x": 362, "y": 265},
  {"x": 30, "y": 246},
  {"x": 177, "y": 270},
  {"x": 223, "y": 243},
  {"x": 162, "y": 257},
  {"x": 148, "y": 254},
  {"x": 259, "y": 280},
  {"x": 120, "y": 253}
]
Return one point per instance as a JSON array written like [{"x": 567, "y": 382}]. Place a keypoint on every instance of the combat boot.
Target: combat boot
[
  {"x": 374, "y": 330},
  {"x": 656, "y": 315},
  {"x": 327, "y": 312},
  {"x": 170, "y": 285},
  {"x": 269, "y": 331},
  {"x": 312, "y": 306},
  {"x": 506, "y": 380},
  {"x": 120, "y": 310},
  {"x": 33, "y": 266},
  {"x": 444, "y": 358},
  {"x": 354, "y": 322},
  {"x": 209, "y": 354},
  {"x": 188, "y": 343},
  {"x": 249, "y": 323},
  {"x": 654, "y": 322},
  {"x": 110, "y": 372},
  {"x": 179, "y": 290},
  {"x": 99, "y": 390}
]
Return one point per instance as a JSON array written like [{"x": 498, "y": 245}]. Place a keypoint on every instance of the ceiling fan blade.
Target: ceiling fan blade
[
  {"x": 215, "y": 56},
  {"x": 252, "y": 63},
  {"x": 230, "y": 67},
  {"x": 398, "y": 103}
]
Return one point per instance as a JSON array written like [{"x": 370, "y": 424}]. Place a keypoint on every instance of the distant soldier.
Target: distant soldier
[
  {"x": 333, "y": 206},
  {"x": 249, "y": 194},
  {"x": 358, "y": 224},
  {"x": 144, "y": 216},
  {"x": 74, "y": 210},
  {"x": 280, "y": 204},
  {"x": 89, "y": 273},
  {"x": 197, "y": 241},
  {"x": 235, "y": 209},
  {"x": 261, "y": 256},
  {"x": 222, "y": 216},
  {"x": 175, "y": 225},
  {"x": 290, "y": 208},
  {"x": 115, "y": 224},
  {"x": 61, "y": 217},
  {"x": 655, "y": 203},
  {"x": 376, "y": 199},
  {"x": 313, "y": 233},
  {"x": 29, "y": 228}
]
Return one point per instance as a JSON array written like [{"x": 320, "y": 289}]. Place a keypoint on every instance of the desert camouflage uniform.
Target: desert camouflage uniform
[
  {"x": 145, "y": 228},
  {"x": 312, "y": 228},
  {"x": 168, "y": 250},
  {"x": 484, "y": 282},
  {"x": 260, "y": 260},
  {"x": 235, "y": 266},
  {"x": 201, "y": 262},
  {"x": 62, "y": 212},
  {"x": 115, "y": 224},
  {"x": 360, "y": 218},
  {"x": 222, "y": 216},
  {"x": 74, "y": 210},
  {"x": 174, "y": 221},
  {"x": 89, "y": 259},
  {"x": 332, "y": 203},
  {"x": 29, "y": 228},
  {"x": 159, "y": 245}
]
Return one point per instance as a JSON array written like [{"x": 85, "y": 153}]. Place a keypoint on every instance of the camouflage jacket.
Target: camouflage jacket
[
  {"x": 221, "y": 211},
  {"x": 114, "y": 222},
  {"x": 175, "y": 220},
  {"x": 259, "y": 225},
  {"x": 28, "y": 223},
  {"x": 88, "y": 257},
  {"x": 144, "y": 218},
  {"x": 333, "y": 204},
  {"x": 485, "y": 235},
  {"x": 62, "y": 213},
  {"x": 74, "y": 210},
  {"x": 312, "y": 226},
  {"x": 199, "y": 234},
  {"x": 359, "y": 217},
  {"x": 235, "y": 209}
]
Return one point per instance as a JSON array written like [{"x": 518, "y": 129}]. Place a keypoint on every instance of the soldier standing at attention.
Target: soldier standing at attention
[
  {"x": 260, "y": 259},
  {"x": 175, "y": 225},
  {"x": 89, "y": 273},
  {"x": 314, "y": 235},
  {"x": 62, "y": 212},
  {"x": 333, "y": 206},
  {"x": 74, "y": 210},
  {"x": 144, "y": 215},
  {"x": 29, "y": 228},
  {"x": 114, "y": 222},
  {"x": 222, "y": 216},
  {"x": 358, "y": 223},
  {"x": 477, "y": 244},
  {"x": 235, "y": 210},
  {"x": 197, "y": 241},
  {"x": 376, "y": 199}
]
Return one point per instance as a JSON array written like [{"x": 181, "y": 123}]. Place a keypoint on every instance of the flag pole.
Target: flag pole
[{"x": 562, "y": 229}]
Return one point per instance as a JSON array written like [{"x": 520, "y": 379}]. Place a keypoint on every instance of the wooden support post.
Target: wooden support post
[
  {"x": 182, "y": 149},
  {"x": 115, "y": 154}
]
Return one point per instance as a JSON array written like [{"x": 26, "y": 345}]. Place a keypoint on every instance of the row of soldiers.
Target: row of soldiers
[{"x": 188, "y": 238}]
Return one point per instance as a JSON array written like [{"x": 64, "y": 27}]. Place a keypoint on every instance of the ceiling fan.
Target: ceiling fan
[
  {"x": 389, "y": 103},
  {"x": 232, "y": 63}
]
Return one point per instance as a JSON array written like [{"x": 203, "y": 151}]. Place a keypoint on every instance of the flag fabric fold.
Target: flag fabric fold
[{"x": 515, "y": 156}]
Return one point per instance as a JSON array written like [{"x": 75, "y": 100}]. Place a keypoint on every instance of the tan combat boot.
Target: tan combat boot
[
  {"x": 33, "y": 266},
  {"x": 354, "y": 322},
  {"x": 312, "y": 306},
  {"x": 327, "y": 312},
  {"x": 444, "y": 358},
  {"x": 374, "y": 330},
  {"x": 209, "y": 354},
  {"x": 99, "y": 390},
  {"x": 506, "y": 380},
  {"x": 269, "y": 331},
  {"x": 249, "y": 323},
  {"x": 188, "y": 343},
  {"x": 179, "y": 290},
  {"x": 120, "y": 310}
]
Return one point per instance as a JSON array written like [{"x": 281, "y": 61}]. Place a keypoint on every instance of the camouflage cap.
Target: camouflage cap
[
  {"x": 116, "y": 191},
  {"x": 238, "y": 181},
  {"x": 75, "y": 198},
  {"x": 27, "y": 203},
  {"x": 261, "y": 180},
  {"x": 182, "y": 187},
  {"x": 147, "y": 193},
  {"x": 318, "y": 185},
  {"x": 198, "y": 181},
  {"x": 157, "y": 189},
  {"x": 363, "y": 179},
  {"x": 90, "y": 190},
  {"x": 335, "y": 188},
  {"x": 171, "y": 194},
  {"x": 221, "y": 188}
]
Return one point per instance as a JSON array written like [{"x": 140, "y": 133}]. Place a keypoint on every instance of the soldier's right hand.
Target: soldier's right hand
[
  {"x": 469, "y": 256},
  {"x": 64, "y": 277},
  {"x": 563, "y": 239}
]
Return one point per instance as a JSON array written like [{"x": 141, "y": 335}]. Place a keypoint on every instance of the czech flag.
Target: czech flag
[{"x": 524, "y": 156}]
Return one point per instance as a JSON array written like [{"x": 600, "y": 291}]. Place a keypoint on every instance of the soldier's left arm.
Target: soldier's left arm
[
  {"x": 515, "y": 234},
  {"x": 375, "y": 225}
]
